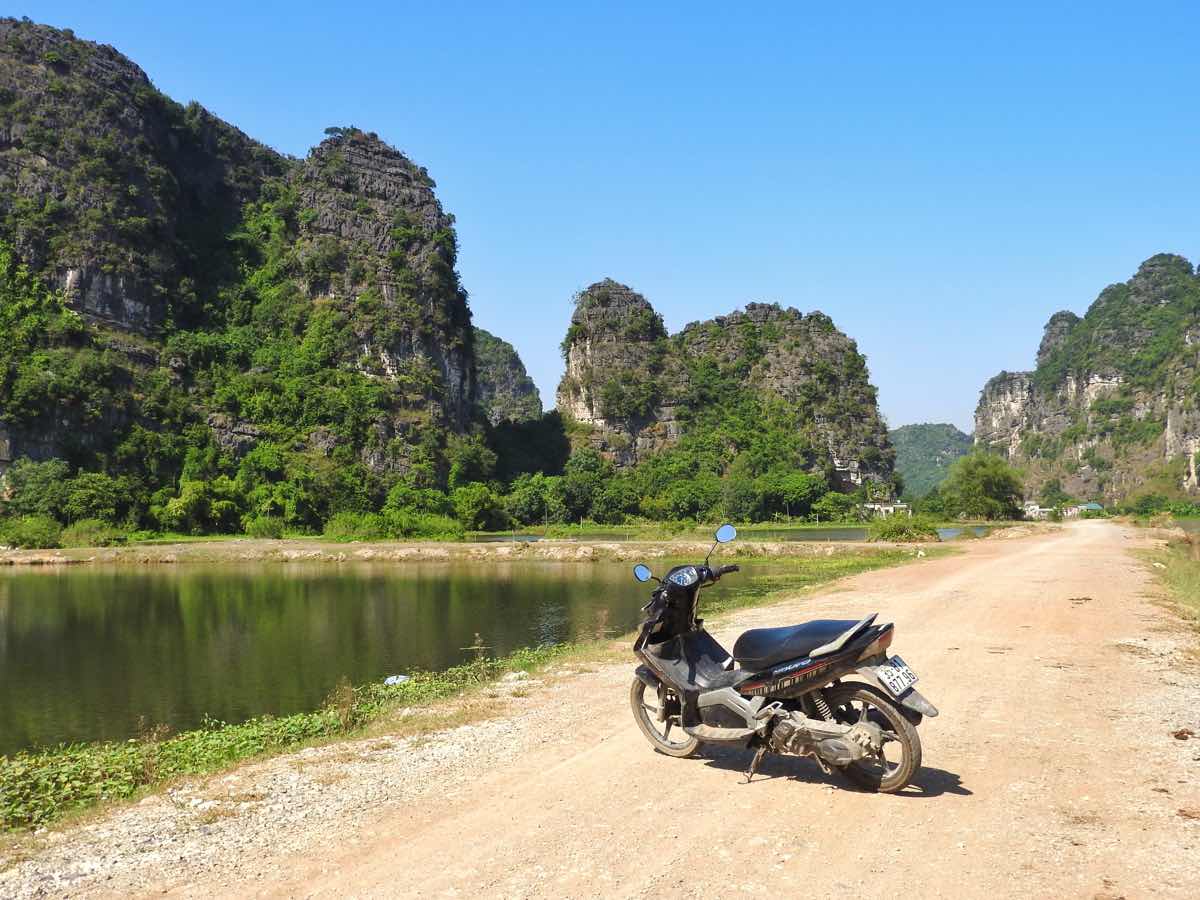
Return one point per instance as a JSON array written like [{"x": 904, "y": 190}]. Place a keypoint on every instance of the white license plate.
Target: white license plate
[{"x": 896, "y": 676}]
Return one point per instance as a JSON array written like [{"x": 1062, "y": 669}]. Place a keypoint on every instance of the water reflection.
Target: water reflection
[{"x": 85, "y": 653}]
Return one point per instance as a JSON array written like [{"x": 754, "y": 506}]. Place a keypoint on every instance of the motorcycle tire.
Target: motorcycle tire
[
  {"x": 647, "y": 720},
  {"x": 886, "y": 777}
]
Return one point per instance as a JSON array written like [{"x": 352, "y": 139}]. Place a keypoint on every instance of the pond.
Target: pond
[{"x": 91, "y": 653}]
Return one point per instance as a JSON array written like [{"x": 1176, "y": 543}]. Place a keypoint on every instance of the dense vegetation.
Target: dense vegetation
[{"x": 924, "y": 454}]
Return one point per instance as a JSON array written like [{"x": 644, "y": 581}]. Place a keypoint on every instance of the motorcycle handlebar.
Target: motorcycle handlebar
[{"x": 725, "y": 570}]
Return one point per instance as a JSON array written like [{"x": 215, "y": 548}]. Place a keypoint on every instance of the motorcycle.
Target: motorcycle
[{"x": 780, "y": 691}]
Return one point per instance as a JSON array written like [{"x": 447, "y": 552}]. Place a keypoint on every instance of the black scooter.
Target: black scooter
[{"x": 780, "y": 691}]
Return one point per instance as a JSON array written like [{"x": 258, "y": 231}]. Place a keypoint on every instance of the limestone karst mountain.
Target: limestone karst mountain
[
  {"x": 640, "y": 390},
  {"x": 1110, "y": 411},
  {"x": 223, "y": 290}
]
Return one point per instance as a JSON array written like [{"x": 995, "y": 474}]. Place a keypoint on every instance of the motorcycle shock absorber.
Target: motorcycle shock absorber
[{"x": 822, "y": 705}]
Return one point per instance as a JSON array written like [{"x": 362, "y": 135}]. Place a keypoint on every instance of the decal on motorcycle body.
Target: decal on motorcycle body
[{"x": 783, "y": 670}]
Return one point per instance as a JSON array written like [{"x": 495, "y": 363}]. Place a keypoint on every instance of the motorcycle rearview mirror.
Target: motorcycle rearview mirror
[
  {"x": 642, "y": 572},
  {"x": 724, "y": 535}
]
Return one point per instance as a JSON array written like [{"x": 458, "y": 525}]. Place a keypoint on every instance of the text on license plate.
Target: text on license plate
[{"x": 896, "y": 676}]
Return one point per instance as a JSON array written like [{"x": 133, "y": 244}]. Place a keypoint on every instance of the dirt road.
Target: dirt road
[{"x": 1051, "y": 772}]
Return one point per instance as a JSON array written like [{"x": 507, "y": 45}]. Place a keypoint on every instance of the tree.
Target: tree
[
  {"x": 931, "y": 504},
  {"x": 1053, "y": 494},
  {"x": 478, "y": 507},
  {"x": 528, "y": 501},
  {"x": 834, "y": 507},
  {"x": 740, "y": 497},
  {"x": 37, "y": 488},
  {"x": 470, "y": 460},
  {"x": 616, "y": 500},
  {"x": 694, "y": 498},
  {"x": 793, "y": 493},
  {"x": 202, "y": 507},
  {"x": 982, "y": 485},
  {"x": 94, "y": 495},
  {"x": 584, "y": 476}
]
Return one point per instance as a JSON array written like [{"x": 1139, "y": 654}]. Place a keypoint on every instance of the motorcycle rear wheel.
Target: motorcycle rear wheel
[
  {"x": 902, "y": 744},
  {"x": 646, "y": 712}
]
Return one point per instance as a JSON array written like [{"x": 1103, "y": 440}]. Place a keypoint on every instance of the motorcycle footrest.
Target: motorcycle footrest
[{"x": 715, "y": 734}]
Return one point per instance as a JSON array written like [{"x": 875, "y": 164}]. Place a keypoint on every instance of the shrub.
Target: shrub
[
  {"x": 201, "y": 507},
  {"x": 902, "y": 528},
  {"x": 32, "y": 532},
  {"x": 424, "y": 526},
  {"x": 92, "y": 533},
  {"x": 265, "y": 527},
  {"x": 403, "y": 497},
  {"x": 352, "y": 526}
]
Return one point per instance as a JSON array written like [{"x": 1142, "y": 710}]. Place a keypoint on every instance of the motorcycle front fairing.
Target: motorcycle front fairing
[{"x": 676, "y": 649}]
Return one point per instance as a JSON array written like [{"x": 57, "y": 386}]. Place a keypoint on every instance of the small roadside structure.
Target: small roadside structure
[{"x": 1030, "y": 510}]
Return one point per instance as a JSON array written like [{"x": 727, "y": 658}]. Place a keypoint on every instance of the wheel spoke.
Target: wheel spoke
[{"x": 667, "y": 730}]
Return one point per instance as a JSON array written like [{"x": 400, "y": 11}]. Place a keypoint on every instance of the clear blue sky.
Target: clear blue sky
[{"x": 938, "y": 180}]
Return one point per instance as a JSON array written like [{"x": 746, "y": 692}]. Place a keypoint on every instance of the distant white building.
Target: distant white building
[
  {"x": 886, "y": 508},
  {"x": 1031, "y": 510}
]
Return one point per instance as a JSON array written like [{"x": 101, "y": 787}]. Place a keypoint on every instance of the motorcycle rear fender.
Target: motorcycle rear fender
[{"x": 912, "y": 701}]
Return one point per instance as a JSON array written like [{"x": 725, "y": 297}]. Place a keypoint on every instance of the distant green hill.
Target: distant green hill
[{"x": 924, "y": 454}]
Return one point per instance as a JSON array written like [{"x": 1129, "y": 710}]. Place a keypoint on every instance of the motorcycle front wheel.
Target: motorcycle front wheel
[
  {"x": 900, "y": 756},
  {"x": 660, "y": 724}
]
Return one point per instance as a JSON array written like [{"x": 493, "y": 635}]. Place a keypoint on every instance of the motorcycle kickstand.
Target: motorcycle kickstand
[{"x": 754, "y": 764}]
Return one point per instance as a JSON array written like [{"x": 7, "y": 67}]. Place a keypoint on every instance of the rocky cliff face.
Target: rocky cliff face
[
  {"x": 506, "y": 392},
  {"x": 116, "y": 193},
  {"x": 373, "y": 238},
  {"x": 1111, "y": 409},
  {"x": 639, "y": 390},
  {"x": 147, "y": 216}
]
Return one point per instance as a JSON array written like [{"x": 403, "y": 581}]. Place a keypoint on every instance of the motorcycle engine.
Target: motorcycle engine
[{"x": 788, "y": 735}]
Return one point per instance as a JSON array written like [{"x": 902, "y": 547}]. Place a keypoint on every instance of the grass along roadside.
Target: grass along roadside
[
  {"x": 40, "y": 787},
  {"x": 1178, "y": 568}
]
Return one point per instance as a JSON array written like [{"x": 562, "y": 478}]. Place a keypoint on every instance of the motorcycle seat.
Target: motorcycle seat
[{"x": 761, "y": 648}]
